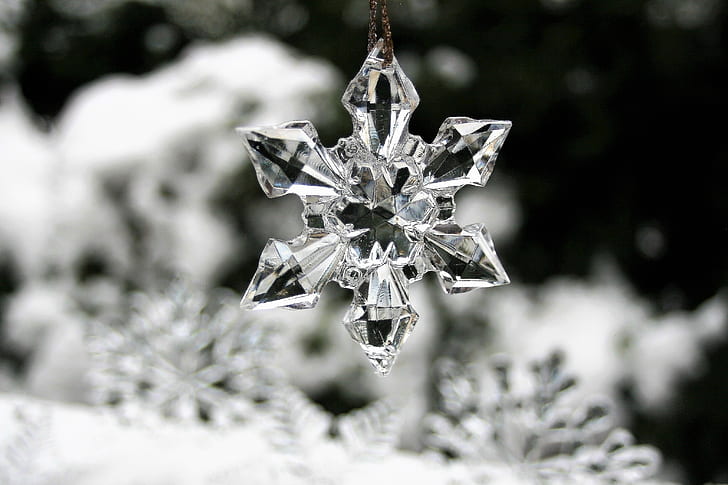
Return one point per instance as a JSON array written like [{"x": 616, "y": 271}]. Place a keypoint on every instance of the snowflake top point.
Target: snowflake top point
[
  {"x": 378, "y": 207},
  {"x": 380, "y": 100}
]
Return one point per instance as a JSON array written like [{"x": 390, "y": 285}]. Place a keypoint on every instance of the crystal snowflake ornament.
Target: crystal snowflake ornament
[{"x": 378, "y": 209}]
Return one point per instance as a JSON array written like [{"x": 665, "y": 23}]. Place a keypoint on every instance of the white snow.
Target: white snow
[
  {"x": 26, "y": 179},
  {"x": 609, "y": 335},
  {"x": 452, "y": 66},
  {"x": 129, "y": 120},
  {"x": 672, "y": 347},
  {"x": 83, "y": 446},
  {"x": 154, "y": 148},
  {"x": 88, "y": 448}
]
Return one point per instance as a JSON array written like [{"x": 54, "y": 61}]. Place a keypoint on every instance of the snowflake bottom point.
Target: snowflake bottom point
[
  {"x": 382, "y": 363},
  {"x": 381, "y": 332}
]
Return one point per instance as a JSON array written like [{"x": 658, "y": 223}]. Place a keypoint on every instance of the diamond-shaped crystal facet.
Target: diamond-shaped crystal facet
[
  {"x": 381, "y": 100},
  {"x": 380, "y": 317},
  {"x": 464, "y": 258},
  {"x": 379, "y": 209},
  {"x": 289, "y": 158},
  {"x": 464, "y": 152},
  {"x": 292, "y": 274},
  {"x": 383, "y": 211}
]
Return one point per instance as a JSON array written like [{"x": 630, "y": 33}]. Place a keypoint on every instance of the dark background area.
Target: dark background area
[{"x": 618, "y": 145}]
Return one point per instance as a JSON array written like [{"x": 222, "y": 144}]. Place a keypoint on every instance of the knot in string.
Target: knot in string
[{"x": 375, "y": 7}]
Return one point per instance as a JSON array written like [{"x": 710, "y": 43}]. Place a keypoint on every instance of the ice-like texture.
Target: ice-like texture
[
  {"x": 387, "y": 197},
  {"x": 380, "y": 318},
  {"x": 294, "y": 273},
  {"x": 464, "y": 152},
  {"x": 464, "y": 258},
  {"x": 380, "y": 101}
]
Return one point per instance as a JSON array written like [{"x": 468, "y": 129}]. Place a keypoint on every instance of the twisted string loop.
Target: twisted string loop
[{"x": 377, "y": 8}]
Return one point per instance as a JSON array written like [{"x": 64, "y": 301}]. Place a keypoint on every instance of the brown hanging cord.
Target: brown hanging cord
[{"x": 388, "y": 49}]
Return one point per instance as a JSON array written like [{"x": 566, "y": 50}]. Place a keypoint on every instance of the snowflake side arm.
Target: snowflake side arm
[{"x": 290, "y": 159}]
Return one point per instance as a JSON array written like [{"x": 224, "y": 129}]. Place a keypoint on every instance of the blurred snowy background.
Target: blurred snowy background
[{"x": 127, "y": 207}]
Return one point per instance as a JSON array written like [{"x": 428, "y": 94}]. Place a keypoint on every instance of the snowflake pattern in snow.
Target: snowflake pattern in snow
[
  {"x": 300, "y": 424},
  {"x": 535, "y": 429},
  {"x": 25, "y": 457},
  {"x": 378, "y": 209},
  {"x": 182, "y": 354}
]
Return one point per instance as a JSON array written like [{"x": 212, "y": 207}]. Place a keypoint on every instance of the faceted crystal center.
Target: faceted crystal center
[{"x": 383, "y": 210}]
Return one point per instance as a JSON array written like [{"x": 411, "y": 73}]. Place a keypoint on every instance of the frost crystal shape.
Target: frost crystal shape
[
  {"x": 378, "y": 209},
  {"x": 534, "y": 427},
  {"x": 182, "y": 354},
  {"x": 24, "y": 457},
  {"x": 301, "y": 425}
]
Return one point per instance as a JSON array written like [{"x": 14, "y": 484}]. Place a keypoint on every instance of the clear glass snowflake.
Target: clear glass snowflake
[
  {"x": 531, "y": 424},
  {"x": 182, "y": 354},
  {"x": 378, "y": 209}
]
